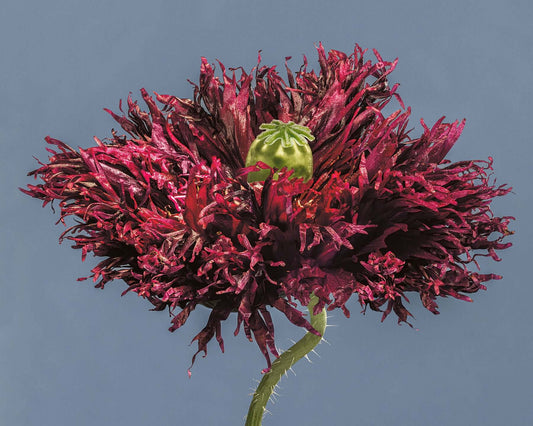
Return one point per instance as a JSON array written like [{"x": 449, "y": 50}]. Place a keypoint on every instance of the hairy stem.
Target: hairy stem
[{"x": 286, "y": 360}]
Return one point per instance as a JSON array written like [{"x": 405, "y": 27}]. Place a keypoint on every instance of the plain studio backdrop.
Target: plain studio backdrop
[{"x": 74, "y": 355}]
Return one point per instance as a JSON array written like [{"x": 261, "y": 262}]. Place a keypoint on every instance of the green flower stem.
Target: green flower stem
[{"x": 286, "y": 360}]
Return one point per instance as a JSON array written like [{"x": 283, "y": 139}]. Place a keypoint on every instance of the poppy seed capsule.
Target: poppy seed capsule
[{"x": 281, "y": 145}]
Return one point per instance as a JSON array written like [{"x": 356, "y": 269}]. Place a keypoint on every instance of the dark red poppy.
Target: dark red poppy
[{"x": 170, "y": 210}]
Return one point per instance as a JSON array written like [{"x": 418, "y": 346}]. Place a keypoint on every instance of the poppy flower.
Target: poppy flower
[{"x": 198, "y": 204}]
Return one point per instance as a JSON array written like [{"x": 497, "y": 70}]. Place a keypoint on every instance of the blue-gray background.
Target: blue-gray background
[{"x": 74, "y": 355}]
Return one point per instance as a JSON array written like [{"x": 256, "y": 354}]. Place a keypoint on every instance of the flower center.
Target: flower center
[{"x": 281, "y": 145}]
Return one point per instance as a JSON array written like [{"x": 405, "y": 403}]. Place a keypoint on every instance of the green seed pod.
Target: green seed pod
[{"x": 281, "y": 145}]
